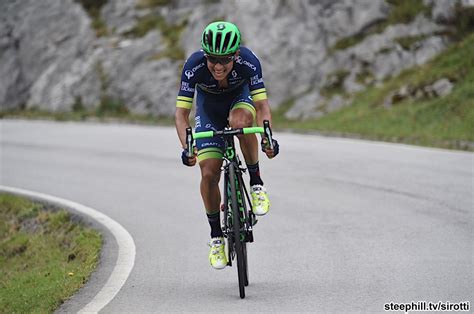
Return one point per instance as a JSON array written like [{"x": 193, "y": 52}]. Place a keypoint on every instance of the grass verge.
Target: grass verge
[
  {"x": 45, "y": 256},
  {"x": 446, "y": 122}
]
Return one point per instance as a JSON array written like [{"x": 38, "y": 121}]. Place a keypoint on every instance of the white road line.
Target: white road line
[{"x": 126, "y": 245}]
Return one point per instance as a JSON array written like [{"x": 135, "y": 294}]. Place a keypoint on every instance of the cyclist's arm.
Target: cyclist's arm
[
  {"x": 263, "y": 111},
  {"x": 181, "y": 119}
]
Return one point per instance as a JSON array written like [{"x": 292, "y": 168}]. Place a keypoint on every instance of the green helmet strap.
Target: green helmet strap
[{"x": 220, "y": 38}]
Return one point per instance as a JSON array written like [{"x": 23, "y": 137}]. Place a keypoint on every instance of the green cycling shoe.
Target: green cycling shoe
[
  {"x": 260, "y": 200},
  {"x": 217, "y": 256}
]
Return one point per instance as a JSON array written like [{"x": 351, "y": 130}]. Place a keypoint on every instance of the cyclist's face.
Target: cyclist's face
[{"x": 220, "y": 67}]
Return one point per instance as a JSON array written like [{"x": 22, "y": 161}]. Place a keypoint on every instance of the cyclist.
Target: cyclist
[{"x": 230, "y": 91}]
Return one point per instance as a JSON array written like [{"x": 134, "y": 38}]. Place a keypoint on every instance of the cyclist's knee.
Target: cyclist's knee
[
  {"x": 211, "y": 170},
  {"x": 240, "y": 118}
]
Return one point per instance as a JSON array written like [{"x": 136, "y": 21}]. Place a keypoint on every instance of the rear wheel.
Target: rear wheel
[{"x": 240, "y": 249}]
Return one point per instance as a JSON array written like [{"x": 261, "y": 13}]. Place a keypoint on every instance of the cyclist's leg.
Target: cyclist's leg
[
  {"x": 210, "y": 116},
  {"x": 210, "y": 152},
  {"x": 210, "y": 176},
  {"x": 242, "y": 115}
]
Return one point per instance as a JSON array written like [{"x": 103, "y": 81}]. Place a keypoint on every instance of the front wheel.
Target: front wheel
[
  {"x": 246, "y": 267},
  {"x": 240, "y": 249}
]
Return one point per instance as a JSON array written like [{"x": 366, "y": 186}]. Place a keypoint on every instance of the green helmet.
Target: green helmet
[{"x": 220, "y": 38}]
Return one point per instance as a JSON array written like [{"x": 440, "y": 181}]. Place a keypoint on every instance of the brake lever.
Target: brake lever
[
  {"x": 189, "y": 142},
  {"x": 268, "y": 133}
]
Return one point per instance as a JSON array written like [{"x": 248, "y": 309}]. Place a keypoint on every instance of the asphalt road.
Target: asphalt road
[{"x": 353, "y": 224}]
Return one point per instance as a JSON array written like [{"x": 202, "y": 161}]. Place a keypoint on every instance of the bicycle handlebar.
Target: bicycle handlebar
[
  {"x": 190, "y": 137},
  {"x": 229, "y": 132}
]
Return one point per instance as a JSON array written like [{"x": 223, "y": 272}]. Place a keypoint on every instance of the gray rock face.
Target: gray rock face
[
  {"x": 145, "y": 83},
  {"x": 13, "y": 87},
  {"x": 50, "y": 57},
  {"x": 442, "y": 10},
  {"x": 305, "y": 106},
  {"x": 48, "y": 43},
  {"x": 384, "y": 56},
  {"x": 380, "y": 56},
  {"x": 467, "y": 3},
  {"x": 292, "y": 37},
  {"x": 440, "y": 88},
  {"x": 120, "y": 16}
]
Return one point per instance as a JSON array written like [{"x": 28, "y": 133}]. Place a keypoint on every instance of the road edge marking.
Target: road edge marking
[{"x": 126, "y": 246}]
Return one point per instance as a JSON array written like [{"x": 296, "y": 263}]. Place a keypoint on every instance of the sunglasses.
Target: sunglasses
[{"x": 221, "y": 60}]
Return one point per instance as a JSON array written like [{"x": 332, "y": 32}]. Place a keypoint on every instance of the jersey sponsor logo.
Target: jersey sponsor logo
[
  {"x": 234, "y": 74},
  {"x": 254, "y": 80},
  {"x": 198, "y": 121},
  {"x": 190, "y": 73},
  {"x": 239, "y": 60},
  {"x": 185, "y": 87},
  {"x": 197, "y": 67},
  {"x": 213, "y": 144}
]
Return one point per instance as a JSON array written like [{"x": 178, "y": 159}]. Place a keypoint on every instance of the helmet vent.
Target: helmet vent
[
  {"x": 210, "y": 41},
  {"x": 218, "y": 42},
  {"x": 234, "y": 42},
  {"x": 226, "y": 42}
]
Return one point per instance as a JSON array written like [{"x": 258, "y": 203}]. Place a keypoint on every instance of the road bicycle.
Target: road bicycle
[{"x": 238, "y": 220}]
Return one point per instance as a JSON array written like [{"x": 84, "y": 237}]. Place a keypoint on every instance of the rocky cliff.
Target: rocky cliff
[{"x": 61, "y": 55}]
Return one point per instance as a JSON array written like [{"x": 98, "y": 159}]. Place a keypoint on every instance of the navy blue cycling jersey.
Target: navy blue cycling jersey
[{"x": 246, "y": 70}]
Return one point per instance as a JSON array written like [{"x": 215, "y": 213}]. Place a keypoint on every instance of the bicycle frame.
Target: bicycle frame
[{"x": 247, "y": 218}]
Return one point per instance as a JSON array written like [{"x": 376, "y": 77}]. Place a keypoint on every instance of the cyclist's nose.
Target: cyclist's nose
[{"x": 218, "y": 66}]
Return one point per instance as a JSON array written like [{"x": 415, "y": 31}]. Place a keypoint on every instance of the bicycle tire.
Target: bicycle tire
[
  {"x": 236, "y": 229},
  {"x": 246, "y": 265},
  {"x": 247, "y": 218}
]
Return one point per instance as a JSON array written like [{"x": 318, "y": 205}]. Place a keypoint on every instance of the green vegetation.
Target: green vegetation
[
  {"x": 463, "y": 22},
  {"x": 144, "y": 25},
  {"x": 405, "y": 11},
  {"x": 401, "y": 11},
  {"x": 44, "y": 256},
  {"x": 347, "y": 42},
  {"x": 408, "y": 41},
  {"x": 111, "y": 106},
  {"x": 365, "y": 77},
  {"x": 93, "y": 8},
  {"x": 334, "y": 84},
  {"x": 443, "y": 122},
  {"x": 108, "y": 105},
  {"x": 143, "y": 4}
]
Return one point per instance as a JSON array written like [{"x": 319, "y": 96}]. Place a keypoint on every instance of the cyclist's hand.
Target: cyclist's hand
[
  {"x": 266, "y": 148},
  {"x": 188, "y": 161}
]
